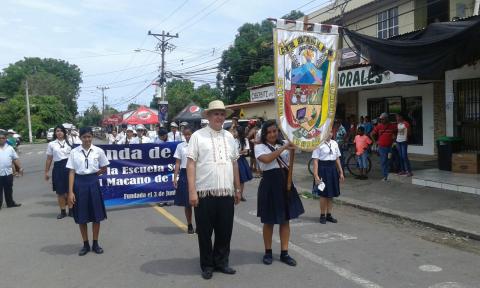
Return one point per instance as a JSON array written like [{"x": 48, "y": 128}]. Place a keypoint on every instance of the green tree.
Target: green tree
[
  {"x": 251, "y": 50},
  {"x": 179, "y": 94},
  {"x": 204, "y": 94},
  {"x": 46, "y": 76},
  {"x": 110, "y": 110},
  {"x": 46, "y": 112},
  {"x": 91, "y": 117},
  {"x": 293, "y": 15},
  {"x": 133, "y": 106}
]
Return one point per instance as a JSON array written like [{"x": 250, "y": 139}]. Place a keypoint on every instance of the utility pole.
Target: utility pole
[
  {"x": 163, "y": 46},
  {"x": 103, "y": 88},
  {"x": 30, "y": 138}
]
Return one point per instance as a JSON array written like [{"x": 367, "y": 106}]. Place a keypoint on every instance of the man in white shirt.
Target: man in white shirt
[
  {"x": 214, "y": 188},
  {"x": 174, "y": 135},
  {"x": 8, "y": 156}
]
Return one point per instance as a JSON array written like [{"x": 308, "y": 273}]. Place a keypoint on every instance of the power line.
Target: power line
[
  {"x": 194, "y": 16},
  {"x": 201, "y": 18}
]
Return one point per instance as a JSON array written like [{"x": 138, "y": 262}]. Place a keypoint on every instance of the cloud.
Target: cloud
[
  {"x": 105, "y": 5},
  {"x": 60, "y": 29},
  {"x": 47, "y": 7}
]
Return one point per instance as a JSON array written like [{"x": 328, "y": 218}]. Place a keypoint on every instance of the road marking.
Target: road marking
[
  {"x": 315, "y": 258},
  {"x": 430, "y": 268},
  {"x": 40, "y": 152},
  {"x": 170, "y": 217},
  {"x": 448, "y": 285},
  {"x": 326, "y": 237}
]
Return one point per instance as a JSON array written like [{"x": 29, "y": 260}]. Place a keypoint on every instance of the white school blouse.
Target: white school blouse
[
  {"x": 262, "y": 149},
  {"x": 143, "y": 140},
  {"x": 7, "y": 155},
  {"x": 213, "y": 152},
  {"x": 114, "y": 140},
  {"x": 327, "y": 151},
  {"x": 181, "y": 153},
  {"x": 175, "y": 137},
  {"x": 86, "y": 162},
  {"x": 239, "y": 146},
  {"x": 132, "y": 140},
  {"x": 59, "y": 150}
]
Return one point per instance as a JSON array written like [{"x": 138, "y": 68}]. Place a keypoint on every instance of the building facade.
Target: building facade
[{"x": 430, "y": 105}]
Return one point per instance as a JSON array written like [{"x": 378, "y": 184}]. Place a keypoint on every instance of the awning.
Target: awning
[
  {"x": 427, "y": 53},
  {"x": 142, "y": 115}
]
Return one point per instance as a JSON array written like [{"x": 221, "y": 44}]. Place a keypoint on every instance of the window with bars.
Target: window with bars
[{"x": 387, "y": 23}]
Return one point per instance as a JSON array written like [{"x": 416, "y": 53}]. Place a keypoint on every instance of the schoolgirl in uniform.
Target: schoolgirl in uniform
[
  {"x": 58, "y": 152},
  {"x": 86, "y": 163},
  {"x": 129, "y": 137},
  {"x": 114, "y": 138},
  {"x": 274, "y": 204},
  {"x": 181, "y": 185},
  {"x": 327, "y": 168},
  {"x": 243, "y": 168}
]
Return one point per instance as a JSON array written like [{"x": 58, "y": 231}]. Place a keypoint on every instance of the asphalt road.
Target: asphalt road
[{"x": 147, "y": 247}]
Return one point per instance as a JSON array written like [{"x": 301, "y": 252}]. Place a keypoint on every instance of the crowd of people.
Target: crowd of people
[{"x": 210, "y": 172}]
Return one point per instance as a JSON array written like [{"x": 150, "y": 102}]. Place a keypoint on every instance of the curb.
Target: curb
[{"x": 404, "y": 216}]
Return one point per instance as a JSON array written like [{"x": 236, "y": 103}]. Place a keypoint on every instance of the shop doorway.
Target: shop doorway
[{"x": 467, "y": 112}]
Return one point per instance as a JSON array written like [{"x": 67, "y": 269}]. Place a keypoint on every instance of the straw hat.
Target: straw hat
[{"x": 216, "y": 105}]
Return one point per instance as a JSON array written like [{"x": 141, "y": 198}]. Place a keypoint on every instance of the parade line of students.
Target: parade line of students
[{"x": 210, "y": 171}]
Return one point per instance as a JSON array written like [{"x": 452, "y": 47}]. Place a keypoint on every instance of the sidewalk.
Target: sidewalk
[{"x": 445, "y": 210}]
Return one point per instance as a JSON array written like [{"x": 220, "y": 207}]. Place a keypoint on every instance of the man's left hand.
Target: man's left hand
[{"x": 238, "y": 196}]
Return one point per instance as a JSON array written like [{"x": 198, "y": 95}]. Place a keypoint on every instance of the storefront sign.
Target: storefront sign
[
  {"x": 263, "y": 93},
  {"x": 364, "y": 76}
]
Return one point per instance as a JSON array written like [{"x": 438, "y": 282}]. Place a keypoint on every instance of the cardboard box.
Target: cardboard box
[{"x": 466, "y": 163}]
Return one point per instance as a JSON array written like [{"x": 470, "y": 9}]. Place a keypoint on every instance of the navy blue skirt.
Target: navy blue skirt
[
  {"x": 89, "y": 206},
  {"x": 181, "y": 193},
  {"x": 60, "y": 177},
  {"x": 244, "y": 170},
  {"x": 327, "y": 171},
  {"x": 274, "y": 204}
]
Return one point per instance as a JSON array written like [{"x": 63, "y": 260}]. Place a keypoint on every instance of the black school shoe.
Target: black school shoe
[
  {"x": 14, "y": 205},
  {"x": 97, "y": 249},
  {"x": 190, "y": 229},
  {"x": 323, "y": 219},
  {"x": 61, "y": 216},
  {"x": 329, "y": 218},
  {"x": 84, "y": 251},
  {"x": 267, "y": 259},
  {"x": 226, "y": 270},
  {"x": 207, "y": 273},
  {"x": 288, "y": 260}
]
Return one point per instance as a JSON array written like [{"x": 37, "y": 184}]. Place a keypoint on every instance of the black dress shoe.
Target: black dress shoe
[
  {"x": 323, "y": 220},
  {"x": 226, "y": 270},
  {"x": 70, "y": 213},
  {"x": 207, "y": 273},
  {"x": 14, "y": 205},
  {"x": 84, "y": 251},
  {"x": 267, "y": 259},
  {"x": 288, "y": 260},
  {"x": 190, "y": 229},
  {"x": 97, "y": 249},
  {"x": 61, "y": 216},
  {"x": 329, "y": 218}
]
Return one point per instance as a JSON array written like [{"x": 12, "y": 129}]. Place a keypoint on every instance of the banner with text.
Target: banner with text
[
  {"x": 306, "y": 65},
  {"x": 138, "y": 174}
]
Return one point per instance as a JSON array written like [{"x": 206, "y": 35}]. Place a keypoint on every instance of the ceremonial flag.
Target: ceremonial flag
[{"x": 306, "y": 65}]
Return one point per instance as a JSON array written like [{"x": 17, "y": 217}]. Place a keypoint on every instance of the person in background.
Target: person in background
[
  {"x": 361, "y": 123},
  {"x": 327, "y": 169},
  {"x": 8, "y": 158},
  {"x": 86, "y": 162},
  {"x": 385, "y": 133},
  {"x": 114, "y": 138},
  {"x": 234, "y": 126},
  {"x": 362, "y": 143},
  {"x": 204, "y": 123},
  {"x": 368, "y": 125},
  {"x": 162, "y": 136},
  {"x": 182, "y": 126},
  {"x": 243, "y": 167},
  {"x": 340, "y": 135},
  {"x": 58, "y": 152},
  {"x": 123, "y": 132},
  {"x": 180, "y": 181},
  {"x": 74, "y": 139},
  {"x": 252, "y": 131},
  {"x": 404, "y": 130},
  {"x": 12, "y": 141},
  {"x": 352, "y": 129},
  {"x": 141, "y": 137},
  {"x": 174, "y": 135},
  {"x": 129, "y": 136},
  {"x": 276, "y": 205}
]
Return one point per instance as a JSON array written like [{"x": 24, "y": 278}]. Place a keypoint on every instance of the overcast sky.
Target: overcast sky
[{"x": 100, "y": 35}]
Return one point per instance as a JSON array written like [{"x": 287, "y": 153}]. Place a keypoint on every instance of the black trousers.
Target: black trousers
[
  {"x": 214, "y": 215},
  {"x": 6, "y": 186}
]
